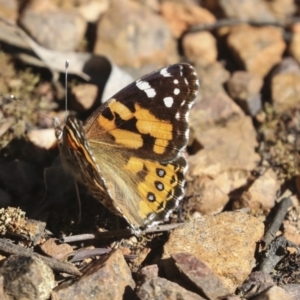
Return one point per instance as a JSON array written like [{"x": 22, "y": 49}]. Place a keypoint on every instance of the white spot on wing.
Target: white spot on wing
[
  {"x": 176, "y": 91},
  {"x": 187, "y": 134},
  {"x": 151, "y": 197},
  {"x": 160, "y": 186},
  {"x": 177, "y": 116},
  {"x": 164, "y": 72},
  {"x": 168, "y": 101},
  {"x": 176, "y": 81},
  {"x": 190, "y": 104},
  {"x": 187, "y": 115},
  {"x": 145, "y": 86},
  {"x": 161, "y": 173},
  {"x": 186, "y": 82},
  {"x": 185, "y": 168}
]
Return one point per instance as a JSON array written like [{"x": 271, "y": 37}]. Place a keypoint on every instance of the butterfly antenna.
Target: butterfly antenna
[{"x": 67, "y": 63}]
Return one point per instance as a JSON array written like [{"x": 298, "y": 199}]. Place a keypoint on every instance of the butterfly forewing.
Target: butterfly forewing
[
  {"x": 131, "y": 146},
  {"x": 150, "y": 116}
]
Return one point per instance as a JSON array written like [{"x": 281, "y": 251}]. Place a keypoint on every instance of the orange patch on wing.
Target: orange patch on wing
[
  {"x": 127, "y": 138},
  {"x": 106, "y": 124},
  {"x": 160, "y": 146},
  {"x": 121, "y": 110},
  {"x": 71, "y": 142},
  {"x": 134, "y": 165},
  {"x": 157, "y": 129},
  {"x": 147, "y": 123},
  {"x": 116, "y": 108}
]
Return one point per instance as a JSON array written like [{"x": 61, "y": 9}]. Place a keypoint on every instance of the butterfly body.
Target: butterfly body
[{"x": 129, "y": 153}]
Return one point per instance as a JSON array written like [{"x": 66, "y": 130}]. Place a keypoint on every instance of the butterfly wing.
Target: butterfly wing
[
  {"x": 149, "y": 118},
  {"x": 137, "y": 138}
]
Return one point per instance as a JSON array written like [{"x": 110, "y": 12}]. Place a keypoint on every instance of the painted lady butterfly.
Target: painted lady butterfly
[{"x": 129, "y": 153}]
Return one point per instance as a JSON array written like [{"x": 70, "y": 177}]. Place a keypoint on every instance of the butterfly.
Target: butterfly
[{"x": 129, "y": 152}]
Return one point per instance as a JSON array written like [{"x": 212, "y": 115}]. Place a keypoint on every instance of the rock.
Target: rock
[
  {"x": 140, "y": 259},
  {"x": 9, "y": 10},
  {"x": 121, "y": 29},
  {"x": 200, "y": 48},
  {"x": 6, "y": 124},
  {"x": 205, "y": 195},
  {"x": 106, "y": 278},
  {"x": 295, "y": 27},
  {"x": 290, "y": 224},
  {"x": 231, "y": 146},
  {"x": 285, "y": 85},
  {"x": 85, "y": 94},
  {"x": 274, "y": 293},
  {"x": 252, "y": 105},
  {"x": 52, "y": 27},
  {"x": 149, "y": 271},
  {"x": 294, "y": 40},
  {"x": 211, "y": 110},
  {"x": 14, "y": 222},
  {"x": 291, "y": 232},
  {"x": 42, "y": 138},
  {"x": 285, "y": 91},
  {"x": 293, "y": 289},
  {"x": 3, "y": 295},
  {"x": 92, "y": 10},
  {"x": 243, "y": 85},
  {"x": 245, "y": 88},
  {"x": 154, "y": 5},
  {"x": 209, "y": 195},
  {"x": 222, "y": 166},
  {"x": 287, "y": 65},
  {"x": 257, "y": 49},
  {"x": 255, "y": 284},
  {"x": 212, "y": 106},
  {"x": 27, "y": 278},
  {"x": 226, "y": 243},
  {"x": 57, "y": 251},
  {"x": 213, "y": 6},
  {"x": 247, "y": 10},
  {"x": 282, "y": 10},
  {"x": 180, "y": 16},
  {"x": 200, "y": 275},
  {"x": 212, "y": 78},
  {"x": 163, "y": 289},
  {"x": 294, "y": 45},
  {"x": 261, "y": 194}
]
